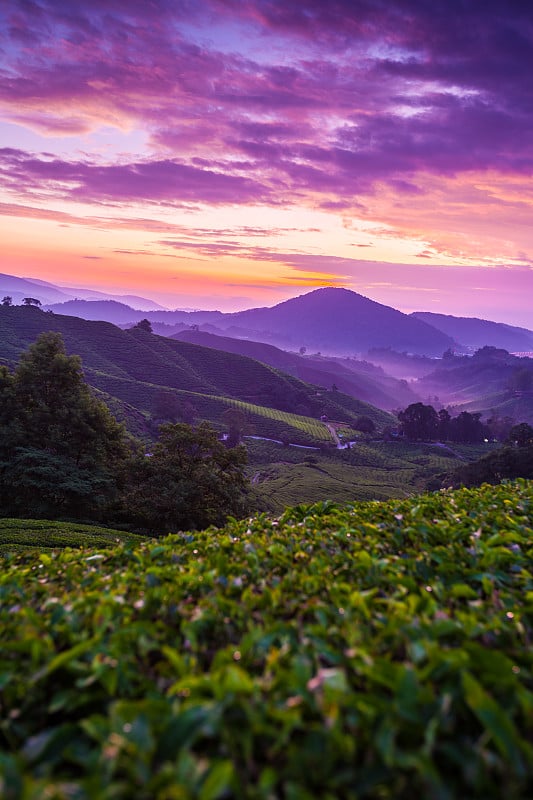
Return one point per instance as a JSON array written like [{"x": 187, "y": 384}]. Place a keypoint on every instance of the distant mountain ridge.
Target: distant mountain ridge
[
  {"x": 341, "y": 321},
  {"x": 474, "y": 333},
  {"x": 48, "y": 293},
  {"x": 329, "y": 320}
]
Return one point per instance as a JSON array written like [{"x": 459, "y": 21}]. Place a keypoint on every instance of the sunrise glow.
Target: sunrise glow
[{"x": 230, "y": 154}]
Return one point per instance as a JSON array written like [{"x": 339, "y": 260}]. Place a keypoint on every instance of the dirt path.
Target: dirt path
[{"x": 333, "y": 432}]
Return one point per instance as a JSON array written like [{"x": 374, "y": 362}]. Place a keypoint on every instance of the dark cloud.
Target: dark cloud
[
  {"x": 151, "y": 181},
  {"x": 368, "y": 92}
]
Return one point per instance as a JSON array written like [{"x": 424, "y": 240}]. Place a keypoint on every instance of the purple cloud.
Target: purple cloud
[
  {"x": 365, "y": 93},
  {"x": 150, "y": 181}
]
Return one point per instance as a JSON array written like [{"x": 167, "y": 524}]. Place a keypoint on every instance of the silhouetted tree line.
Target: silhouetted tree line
[
  {"x": 63, "y": 455},
  {"x": 420, "y": 422}
]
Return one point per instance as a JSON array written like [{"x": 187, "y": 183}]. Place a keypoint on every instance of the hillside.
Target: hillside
[
  {"x": 342, "y": 321},
  {"x": 491, "y": 380},
  {"x": 372, "y": 385},
  {"x": 19, "y": 288},
  {"x": 378, "y": 651},
  {"x": 49, "y": 294},
  {"x": 474, "y": 333},
  {"x": 369, "y": 470},
  {"x": 135, "y": 366},
  {"x": 46, "y": 535},
  {"x": 328, "y": 320},
  {"x": 98, "y": 310}
]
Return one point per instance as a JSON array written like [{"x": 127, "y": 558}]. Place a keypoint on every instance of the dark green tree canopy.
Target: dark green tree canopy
[
  {"x": 521, "y": 435},
  {"x": 419, "y": 422},
  {"x": 190, "y": 480},
  {"x": 59, "y": 445}
]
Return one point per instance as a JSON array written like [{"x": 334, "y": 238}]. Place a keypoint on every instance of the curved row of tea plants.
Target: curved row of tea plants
[
  {"x": 20, "y": 534},
  {"x": 381, "y": 651}
]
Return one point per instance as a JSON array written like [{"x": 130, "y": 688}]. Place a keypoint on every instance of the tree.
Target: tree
[
  {"x": 238, "y": 425},
  {"x": 31, "y": 301},
  {"x": 506, "y": 463},
  {"x": 144, "y": 325},
  {"x": 191, "y": 480},
  {"x": 7, "y": 300},
  {"x": 364, "y": 424},
  {"x": 168, "y": 408},
  {"x": 419, "y": 422},
  {"x": 59, "y": 446},
  {"x": 500, "y": 427},
  {"x": 521, "y": 435},
  {"x": 444, "y": 425},
  {"x": 467, "y": 427}
]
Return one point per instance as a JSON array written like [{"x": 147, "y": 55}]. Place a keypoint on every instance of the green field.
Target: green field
[
  {"x": 20, "y": 534},
  {"x": 376, "y": 652},
  {"x": 371, "y": 470}
]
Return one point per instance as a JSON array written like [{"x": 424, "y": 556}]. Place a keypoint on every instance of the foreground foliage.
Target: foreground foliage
[{"x": 380, "y": 651}]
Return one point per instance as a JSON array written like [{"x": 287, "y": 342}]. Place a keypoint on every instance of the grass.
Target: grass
[
  {"x": 19, "y": 534},
  {"x": 375, "y": 652},
  {"x": 371, "y": 470}
]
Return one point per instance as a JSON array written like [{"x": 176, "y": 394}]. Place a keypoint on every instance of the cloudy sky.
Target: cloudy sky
[{"x": 232, "y": 153}]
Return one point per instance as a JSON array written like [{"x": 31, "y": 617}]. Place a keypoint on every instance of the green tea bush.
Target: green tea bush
[{"x": 381, "y": 651}]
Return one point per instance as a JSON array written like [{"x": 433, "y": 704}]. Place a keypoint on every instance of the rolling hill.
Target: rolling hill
[
  {"x": 342, "y": 321},
  {"x": 474, "y": 333},
  {"x": 492, "y": 380},
  {"x": 134, "y": 367},
  {"x": 355, "y": 378},
  {"x": 48, "y": 293}
]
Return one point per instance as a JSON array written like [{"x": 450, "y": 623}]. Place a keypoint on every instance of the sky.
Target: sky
[{"x": 235, "y": 153}]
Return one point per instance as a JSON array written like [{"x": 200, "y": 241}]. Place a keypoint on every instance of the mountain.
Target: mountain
[
  {"x": 98, "y": 310},
  {"x": 341, "y": 321},
  {"x": 19, "y": 288},
  {"x": 475, "y": 333},
  {"x": 48, "y": 293},
  {"x": 356, "y": 378},
  {"x": 135, "y": 369},
  {"x": 333, "y": 321}
]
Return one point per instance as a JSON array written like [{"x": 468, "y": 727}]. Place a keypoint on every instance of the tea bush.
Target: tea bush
[{"x": 381, "y": 651}]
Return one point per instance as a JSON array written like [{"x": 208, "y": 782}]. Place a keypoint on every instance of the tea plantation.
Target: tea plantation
[{"x": 380, "y": 651}]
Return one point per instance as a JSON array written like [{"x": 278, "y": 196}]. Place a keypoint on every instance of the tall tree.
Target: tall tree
[
  {"x": 191, "y": 480},
  {"x": 59, "y": 446},
  {"x": 419, "y": 422}
]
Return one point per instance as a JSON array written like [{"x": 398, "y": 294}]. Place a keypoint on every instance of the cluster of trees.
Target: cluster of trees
[
  {"x": 420, "y": 422},
  {"x": 63, "y": 455},
  {"x": 27, "y": 301}
]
